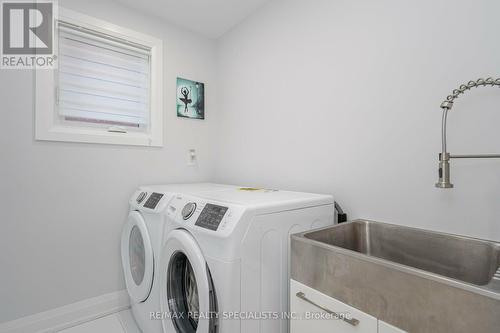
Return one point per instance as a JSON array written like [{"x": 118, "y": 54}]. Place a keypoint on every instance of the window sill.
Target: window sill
[{"x": 85, "y": 135}]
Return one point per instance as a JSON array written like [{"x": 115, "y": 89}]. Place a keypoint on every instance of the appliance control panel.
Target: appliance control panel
[
  {"x": 150, "y": 200},
  {"x": 204, "y": 215},
  {"x": 153, "y": 200},
  {"x": 211, "y": 216}
]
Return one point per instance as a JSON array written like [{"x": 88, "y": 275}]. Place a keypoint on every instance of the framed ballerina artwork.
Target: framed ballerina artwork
[{"x": 190, "y": 99}]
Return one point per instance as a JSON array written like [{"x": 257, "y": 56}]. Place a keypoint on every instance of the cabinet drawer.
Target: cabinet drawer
[
  {"x": 314, "y": 311},
  {"x": 386, "y": 328}
]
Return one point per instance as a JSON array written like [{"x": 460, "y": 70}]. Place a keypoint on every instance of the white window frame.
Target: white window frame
[{"x": 47, "y": 126}]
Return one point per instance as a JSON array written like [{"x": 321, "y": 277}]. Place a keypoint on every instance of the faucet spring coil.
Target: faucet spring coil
[{"x": 471, "y": 84}]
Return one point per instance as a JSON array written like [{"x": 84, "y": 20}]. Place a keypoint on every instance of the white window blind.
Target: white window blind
[{"x": 102, "y": 78}]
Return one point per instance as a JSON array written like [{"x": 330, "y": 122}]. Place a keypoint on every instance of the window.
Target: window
[
  {"x": 107, "y": 87},
  {"x": 100, "y": 80}
]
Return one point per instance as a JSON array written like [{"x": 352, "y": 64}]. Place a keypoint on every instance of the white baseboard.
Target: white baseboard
[{"x": 69, "y": 315}]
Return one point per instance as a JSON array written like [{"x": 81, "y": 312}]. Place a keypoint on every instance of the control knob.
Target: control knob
[
  {"x": 141, "y": 197},
  {"x": 188, "y": 210}
]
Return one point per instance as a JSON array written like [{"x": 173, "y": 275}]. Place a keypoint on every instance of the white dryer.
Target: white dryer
[
  {"x": 224, "y": 263},
  {"x": 140, "y": 249},
  {"x": 141, "y": 245}
]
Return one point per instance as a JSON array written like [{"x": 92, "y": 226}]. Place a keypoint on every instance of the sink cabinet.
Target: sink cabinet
[{"x": 313, "y": 311}]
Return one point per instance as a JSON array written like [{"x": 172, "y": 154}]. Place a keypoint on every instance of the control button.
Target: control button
[
  {"x": 141, "y": 197},
  {"x": 188, "y": 210}
]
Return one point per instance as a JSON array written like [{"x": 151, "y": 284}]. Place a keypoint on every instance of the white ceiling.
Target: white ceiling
[{"x": 211, "y": 18}]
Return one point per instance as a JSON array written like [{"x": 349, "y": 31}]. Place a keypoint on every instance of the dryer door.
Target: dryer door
[
  {"x": 137, "y": 257},
  {"x": 187, "y": 289}
]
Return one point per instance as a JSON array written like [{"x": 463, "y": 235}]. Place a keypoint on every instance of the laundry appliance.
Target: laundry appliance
[
  {"x": 141, "y": 244},
  {"x": 224, "y": 262}
]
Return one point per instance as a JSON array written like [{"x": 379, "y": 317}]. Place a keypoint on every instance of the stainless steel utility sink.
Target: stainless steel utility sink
[
  {"x": 466, "y": 259},
  {"x": 417, "y": 280}
]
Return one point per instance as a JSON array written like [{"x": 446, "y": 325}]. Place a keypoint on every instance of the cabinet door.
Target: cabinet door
[
  {"x": 386, "y": 328},
  {"x": 314, "y": 312}
]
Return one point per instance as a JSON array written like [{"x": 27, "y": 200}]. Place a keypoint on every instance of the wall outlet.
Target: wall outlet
[{"x": 192, "y": 157}]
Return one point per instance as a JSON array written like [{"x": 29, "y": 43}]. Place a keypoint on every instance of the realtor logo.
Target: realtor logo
[{"x": 28, "y": 34}]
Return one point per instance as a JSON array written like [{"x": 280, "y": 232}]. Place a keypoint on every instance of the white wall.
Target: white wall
[
  {"x": 343, "y": 97},
  {"x": 63, "y": 204}
]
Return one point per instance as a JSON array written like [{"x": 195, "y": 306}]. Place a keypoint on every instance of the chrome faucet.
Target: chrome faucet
[{"x": 444, "y": 156}]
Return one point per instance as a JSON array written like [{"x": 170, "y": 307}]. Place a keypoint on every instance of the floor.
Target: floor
[{"x": 121, "y": 322}]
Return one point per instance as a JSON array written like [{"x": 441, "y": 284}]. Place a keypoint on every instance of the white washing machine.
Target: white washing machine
[
  {"x": 141, "y": 246},
  {"x": 224, "y": 263}
]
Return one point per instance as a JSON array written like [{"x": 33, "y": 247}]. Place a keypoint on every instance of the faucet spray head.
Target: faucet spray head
[{"x": 444, "y": 171}]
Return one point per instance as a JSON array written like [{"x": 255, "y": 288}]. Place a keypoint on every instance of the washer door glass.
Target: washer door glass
[
  {"x": 182, "y": 287},
  {"x": 137, "y": 255}
]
